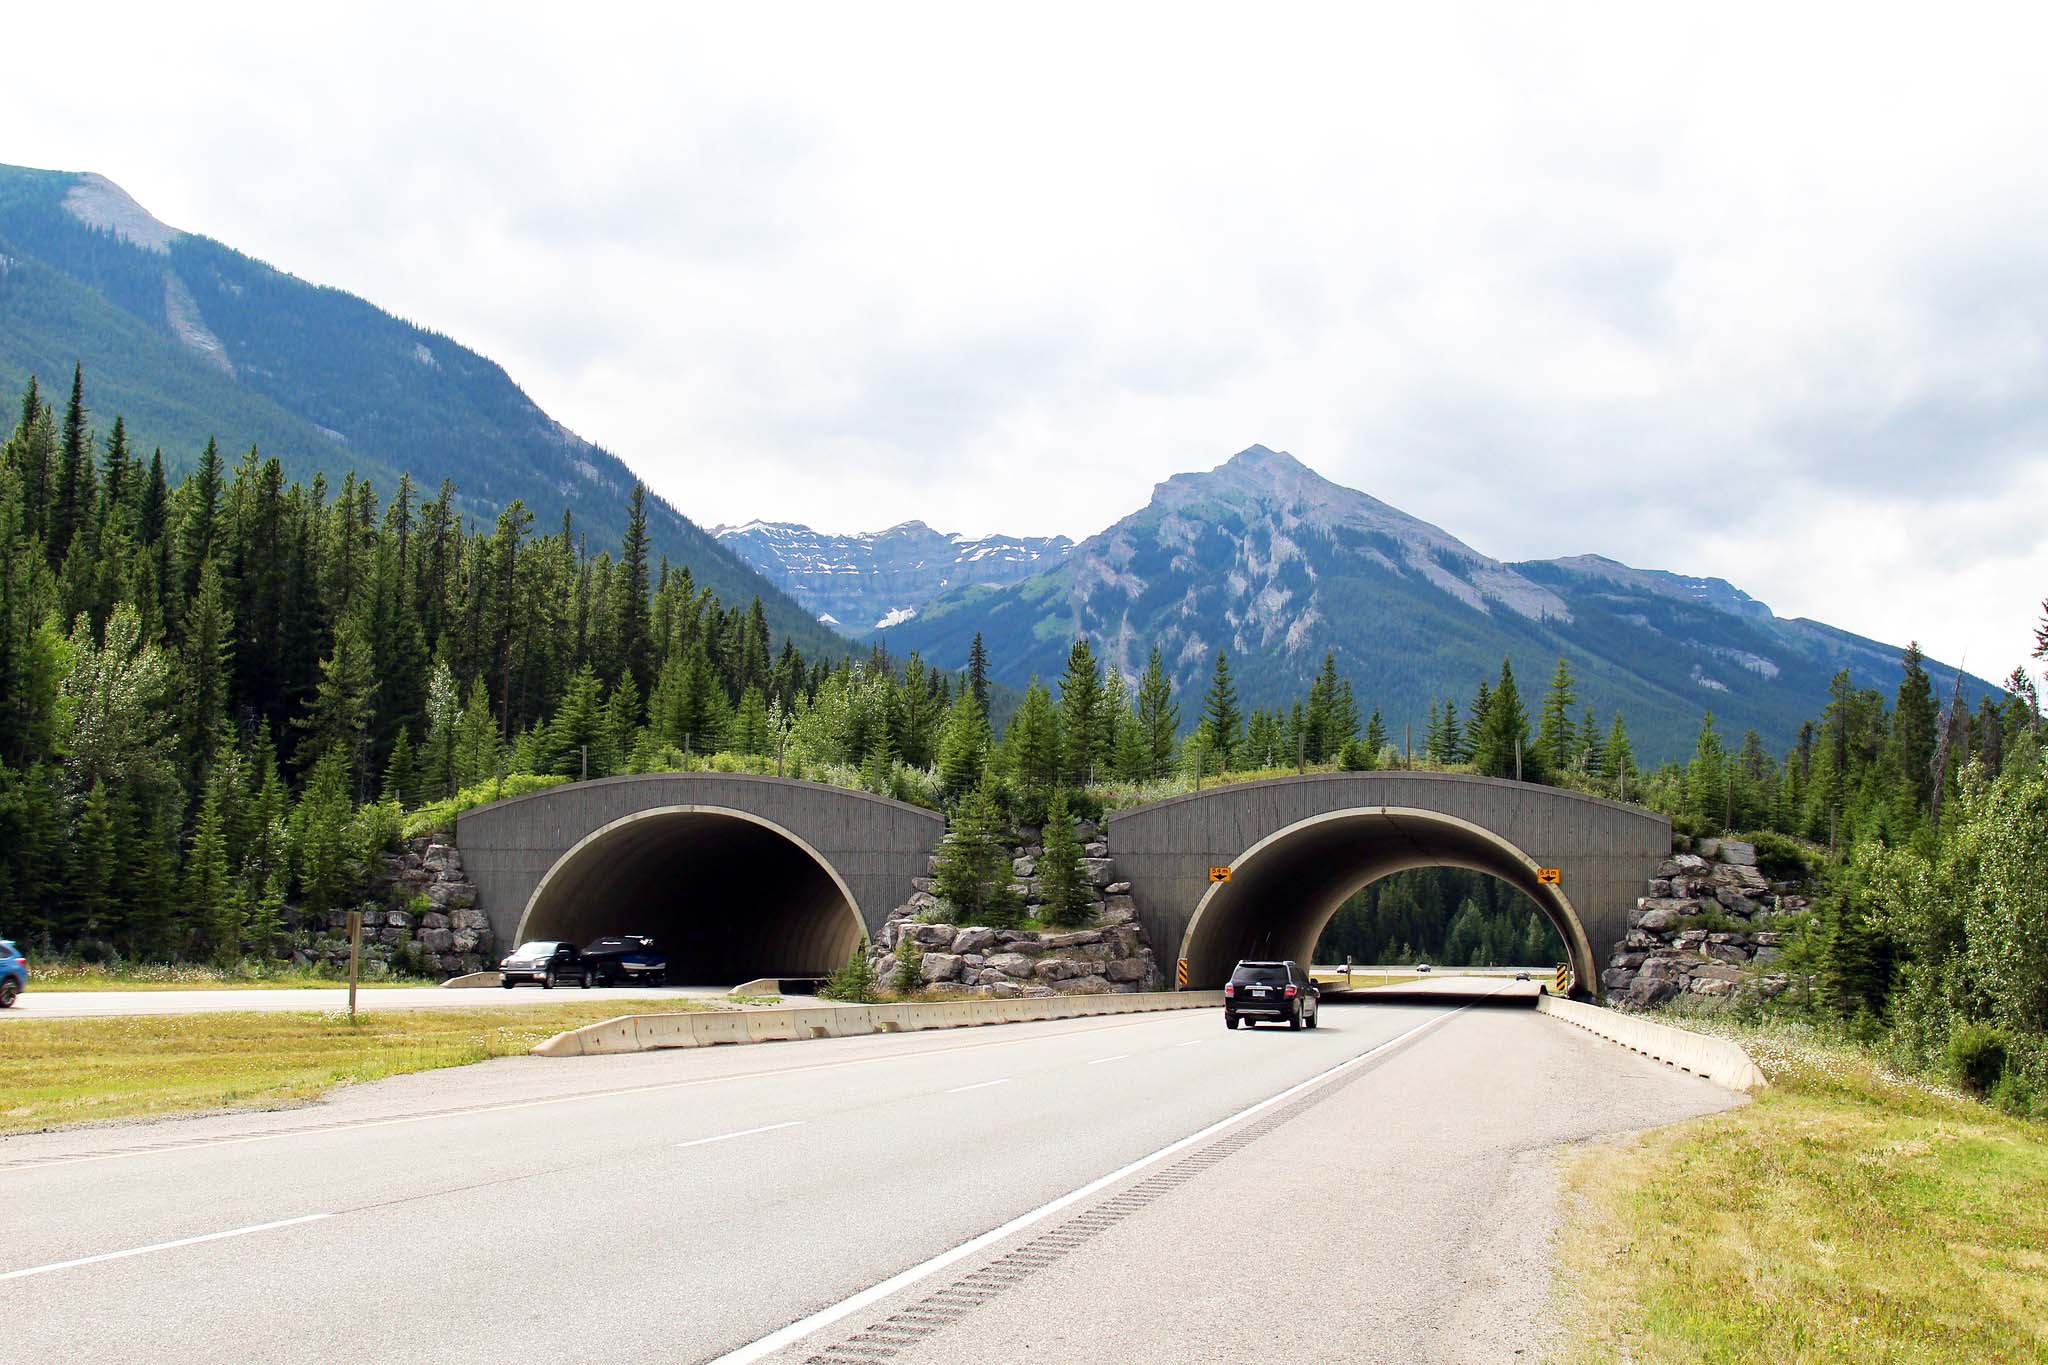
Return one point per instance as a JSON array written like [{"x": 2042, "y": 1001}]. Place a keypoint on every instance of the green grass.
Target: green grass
[
  {"x": 189, "y": 976},
  {"x": 1848, "y": 1214},
  {"x": 64, "y": 1071}
]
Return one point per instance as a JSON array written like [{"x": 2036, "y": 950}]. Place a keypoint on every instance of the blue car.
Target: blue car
[{"x": 13, "y": 973}]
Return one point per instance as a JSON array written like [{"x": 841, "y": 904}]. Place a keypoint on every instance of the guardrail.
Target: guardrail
[
  {"x": 709, "y": 1028},
  {"x": 1719, "y": 1060}
]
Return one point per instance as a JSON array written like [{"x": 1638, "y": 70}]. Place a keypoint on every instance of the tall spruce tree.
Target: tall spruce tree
[
  {"x": 1158, "y": 718},
  {"x": 1557, "y": 739},
  {"x": 1220, "y": 715}
]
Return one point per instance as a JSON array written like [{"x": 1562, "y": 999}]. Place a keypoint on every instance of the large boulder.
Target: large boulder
[
  {"x": 1125, "y": 969},
  {"x": 1085, "y": 985},
  {"x": 1058, "y": 969},
  {"x": 930, "y": 935},
  {"x": 1099, "y": 872},
  {"x": 974, "y": 939},
  {"x": 941, "y": 966},
  {"x": 1739, "y": 853},
  {"x": 1011, "y": 964},
  {"x": 1651, "y": 990},
  {"x": 1025, "y": 868},
  {"x": 1073, "y": 939}
]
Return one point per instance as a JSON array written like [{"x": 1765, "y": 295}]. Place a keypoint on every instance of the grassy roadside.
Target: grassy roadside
[
  {"x": 188, "y": 976},
  {"x": 1847, "y": 1214},
  {"x": 61, "y": 1071}
]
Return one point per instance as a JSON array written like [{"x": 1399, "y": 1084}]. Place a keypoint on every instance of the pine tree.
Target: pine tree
[
  {"x": 977, "y": 672},
  {"x": 401, "y": 775},
  {"x": 209, "y": 891},
  {"x": 629, "y": 589},
  {"x": 1220, "y": 714},
  {"x": 1033, "y": 740},
  {"x": 1557, "y": 738},
  {"x": 320, "y": 832},
  {"x": 854, "y": 983},
  {"x": 576, "y": 736},
  {"x": 1158, "y": 718},
  {"x": 437, "y": 750},
  {"x": 71, "y": 506},
  {"x": 974, "y": 871},
  {"x": 1376, "y": 737},
  {"x": 1621, "y": 755},
  {"x": 909, "y": 967},
  {"x": 1066, "y": 897},
  {"x": 1707, "y": 790},
  {"x": 206, "y": 664},
  {"x": 1503, "y": 734},
  {"x": 963, "y": 746},
  {"x": 1083, "y": 732},
  {"x": 1913, "y": 729}
]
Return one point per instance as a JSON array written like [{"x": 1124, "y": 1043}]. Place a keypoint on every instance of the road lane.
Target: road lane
[
  {"x": 692, "y": 1202},
  {"x": 502, "y": 1208}
]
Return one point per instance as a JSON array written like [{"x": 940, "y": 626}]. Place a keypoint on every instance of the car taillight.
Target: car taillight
[
  {"x": 1290, "y": 992},
  {"x": 1228, "y": 990}
]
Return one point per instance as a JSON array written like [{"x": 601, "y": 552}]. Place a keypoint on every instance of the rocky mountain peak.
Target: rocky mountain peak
[{"x": 98, "y": 202}]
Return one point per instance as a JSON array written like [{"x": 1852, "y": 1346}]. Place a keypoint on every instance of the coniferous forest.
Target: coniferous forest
[{"x": 222, "y": 695}]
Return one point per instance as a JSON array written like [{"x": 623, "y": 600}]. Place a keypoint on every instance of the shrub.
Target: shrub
[
  {"x": 1781, "y": 857},
  {"x": 1976, "y": 1056},
  {"x": 909, "y": 967},
  {"x": 853, "y": 983}
]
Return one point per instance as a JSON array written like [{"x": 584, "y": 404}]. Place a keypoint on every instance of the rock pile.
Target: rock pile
[
  {"x": 425, "y": 920},
  {"x": 1711, "y": 921},
  {"x": 1005, "y": 964}
]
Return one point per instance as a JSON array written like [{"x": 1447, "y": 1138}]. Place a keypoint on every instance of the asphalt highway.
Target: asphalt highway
[{"x": 1169, "y": 1190}]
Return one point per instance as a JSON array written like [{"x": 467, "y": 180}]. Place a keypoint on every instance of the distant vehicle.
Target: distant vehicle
[
  {"x": 627, "y": 957},
  {"x": 546, "y": 963},
  {"x": 1521, "y": 976},
  {"x": 1271, "y": 990},
  {"x": 1421, "y": 967},
  {"x": 13, "y": 973}
]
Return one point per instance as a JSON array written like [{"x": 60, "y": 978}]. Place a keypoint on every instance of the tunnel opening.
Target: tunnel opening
[
  {"x": 726, "y": 896},
  {"x": 1284, "y": 890},
  {"x": 1448, "y": 916}
]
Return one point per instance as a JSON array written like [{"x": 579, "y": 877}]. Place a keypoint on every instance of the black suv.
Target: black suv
[
  {"x": 547, "y": 963},
  {"x": 1271, "y": 990}
]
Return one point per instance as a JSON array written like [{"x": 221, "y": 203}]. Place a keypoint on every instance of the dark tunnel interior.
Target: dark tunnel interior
[
  {"x": 725, "y": 898},
  {"x": 1279, "y": 898}
]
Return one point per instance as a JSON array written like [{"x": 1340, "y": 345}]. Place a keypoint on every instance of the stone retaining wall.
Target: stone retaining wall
[
  {"x": 1110, "y": 956},
  {"x": 1711, "y": 921},
  {"x": 425, "y": 919}
]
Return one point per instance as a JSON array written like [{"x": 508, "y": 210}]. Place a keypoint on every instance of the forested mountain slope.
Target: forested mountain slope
[
  {"x": 189, "y": 339},
  {"x": 1265, "y": 558}
]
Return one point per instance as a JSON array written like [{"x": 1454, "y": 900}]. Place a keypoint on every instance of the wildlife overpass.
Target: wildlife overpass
[
  {"x": 738, "y": 876},
  {"x": 734, "y": 876},
  {"x": 1256, "y": 869}
]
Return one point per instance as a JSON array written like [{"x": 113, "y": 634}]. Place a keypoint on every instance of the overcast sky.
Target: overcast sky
[{"x": 1756, "y": 293}]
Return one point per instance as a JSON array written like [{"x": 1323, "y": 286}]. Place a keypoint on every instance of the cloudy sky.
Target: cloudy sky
[{"x": 1758, "y": 293}]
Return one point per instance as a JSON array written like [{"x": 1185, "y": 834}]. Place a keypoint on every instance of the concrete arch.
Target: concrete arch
[
  {"x": 673, "y": 871},
  {"x": 741, "y": 861},
  {"x": 1286, "y": 887},
  {"x": 1604, "y": 850}
]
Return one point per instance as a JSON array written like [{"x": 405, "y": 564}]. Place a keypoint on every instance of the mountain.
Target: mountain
[
  {"x": 879, "y": 579},
  {"x": 187, "y": 338},
  {"x": 1267, "y": 558}
]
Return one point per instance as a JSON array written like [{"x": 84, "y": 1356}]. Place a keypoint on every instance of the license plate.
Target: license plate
[{"x": 1259, "y": 992}]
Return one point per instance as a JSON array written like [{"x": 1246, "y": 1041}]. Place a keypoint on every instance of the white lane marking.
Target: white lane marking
[
  {"x": 825, "y": 1317},
  {"x": 580, "y": 1097},
  {"x": 1192, "y": 1042},
  {"x": 978, "y": 1085},
  {"x": 161, "y": 1246},
  {"x": 744, "y": 1132},
  {"x": 1100, "y": 1060}
]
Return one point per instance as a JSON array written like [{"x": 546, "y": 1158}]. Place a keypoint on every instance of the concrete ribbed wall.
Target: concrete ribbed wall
[
  {"x": 1338, "y": 832},
  {"x": 741, "y": 875}
]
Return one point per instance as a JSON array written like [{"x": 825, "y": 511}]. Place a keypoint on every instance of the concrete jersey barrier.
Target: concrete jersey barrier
[
  {"x": 1719, "y": 1060},
  {"x": 708, "y": 1028}
]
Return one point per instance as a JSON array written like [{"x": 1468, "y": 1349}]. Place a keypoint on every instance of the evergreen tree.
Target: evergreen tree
[
  {"x": 1913, "y": 729},
  {"x": 1220, "y": 714},
  {"x": 977, "y": 672},
  {"x": 71, "y": 504},
  {"x": 437, "y": 751},
  {"x": 1376, "y": 737},
  {"x": 401, "y": 776},
  {"x": 1084, "y": 730},
  {"x": 1158, "y": 718},
  {"x": 909, "y": 966},
  {"x": 1620, "y": 756},
  {"x": 1708, "y": 792},
  {"x": 629, "y": 589},
  {"x": 855, "y": 982},
  {"x": 209, "y": 891},
  {"x": 973, "y": 872},
  {"x": 963, "y": 746},
  {"x": 320, "y": 832},
  {"x": 1503, "y": 733},
  {"x": 1064, "y": 893},
  {"x": 1557, "y": 739},
  {"x": 577, "y": 737},
  {"x": 1033, "y": 740}
]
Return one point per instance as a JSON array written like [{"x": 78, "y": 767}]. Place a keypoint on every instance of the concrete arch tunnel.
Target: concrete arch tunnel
[
  {"x": 735, "y": 876},
  {"x": 1298, "y": 847},
  {"x": 1286, "y": 888}
]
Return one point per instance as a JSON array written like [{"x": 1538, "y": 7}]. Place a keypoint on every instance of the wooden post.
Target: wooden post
[{"x": 355, "y": 953}]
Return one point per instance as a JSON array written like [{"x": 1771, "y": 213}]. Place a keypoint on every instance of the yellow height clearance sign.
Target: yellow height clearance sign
[
  {"x": 1219, "y": 874},
  {"x": 1549, "y": 876}
]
